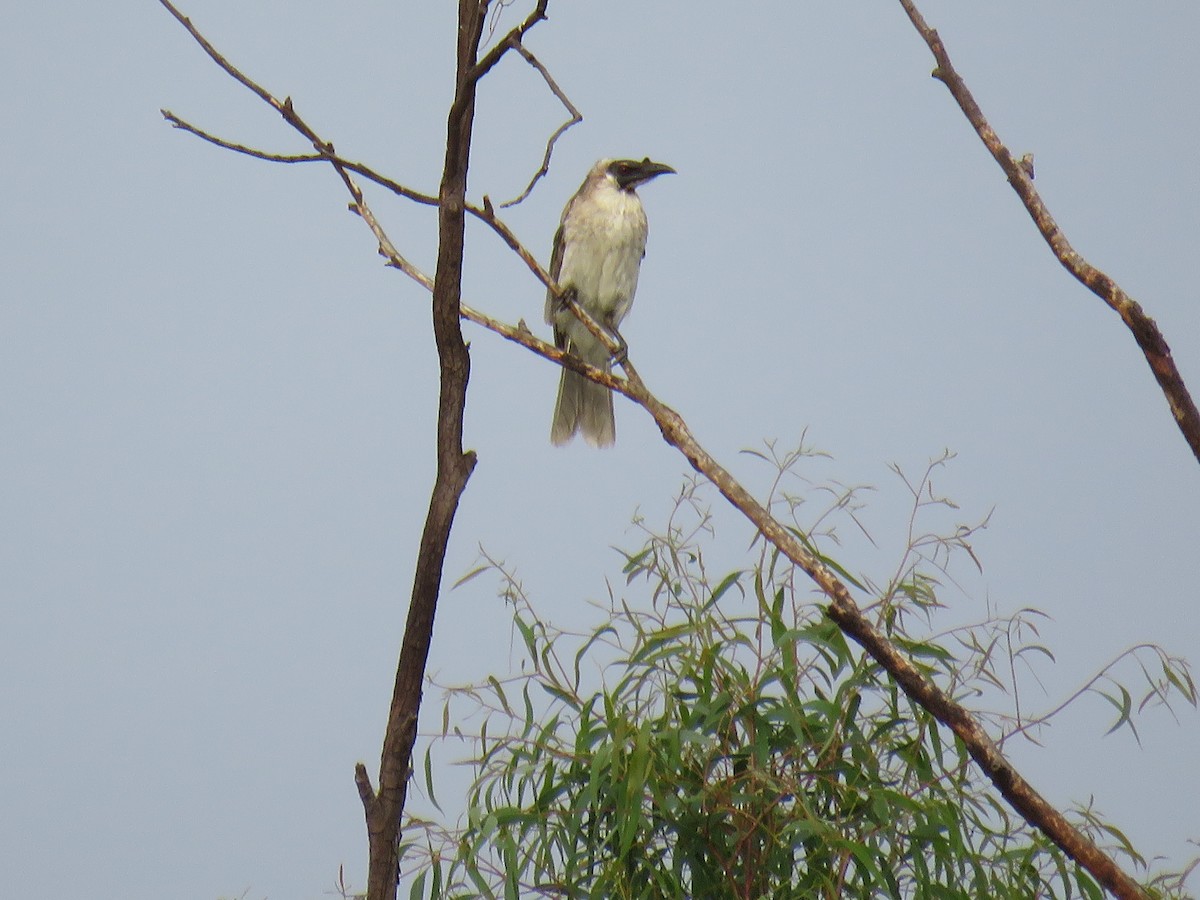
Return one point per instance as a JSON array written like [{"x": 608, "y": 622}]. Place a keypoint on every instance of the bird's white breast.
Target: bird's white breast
[{"x": 604, "y": 240}]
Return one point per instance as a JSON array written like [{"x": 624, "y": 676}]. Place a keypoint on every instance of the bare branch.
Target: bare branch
[
  {"x": 239, "y": 148},
  {"x": 284, "y": 107},
  {"x": 363, "y": 781},
  {"x": 1020, "y": 176},
  {"x": 329, "y": 157},
  {"x": 575, "y": 119},
  {"x": 454, "y": 465},
  {"x": 386, "y": 248},
  {"x": 509, "y": 41},
  {"x": 395, "y": 259},
  {"x": 218, "y": 58},
  {"x": 485, "y": 213}
]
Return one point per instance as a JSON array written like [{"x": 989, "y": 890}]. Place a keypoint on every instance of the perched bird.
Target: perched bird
[{"x": 598, "y": 251}]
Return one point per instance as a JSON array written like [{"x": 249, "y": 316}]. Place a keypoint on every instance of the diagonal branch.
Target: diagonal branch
[
  {"x": 385, "y": 808},
  {"x": 225, "y": 144},
  {"x": 1020, "y": 176},
  {"x": 220, "y": 60},
  {"x": 1019, "y": 793},
  {"x": 485, "y": 213},
  {"x": 509, "y": 41},
  {"x": 328, "y": 156},
  {"x": 387, "y": 249}
]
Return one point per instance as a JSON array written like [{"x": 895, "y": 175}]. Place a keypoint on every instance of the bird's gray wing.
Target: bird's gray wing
[{"x": 556, "y": 258}]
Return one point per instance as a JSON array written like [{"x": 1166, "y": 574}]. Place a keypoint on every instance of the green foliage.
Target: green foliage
[{"x": 723, "y": 740}]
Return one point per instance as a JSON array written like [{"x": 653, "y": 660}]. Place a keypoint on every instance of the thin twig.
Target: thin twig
[
  {"x": 454, "y": 467},
  {"x": 239, "y": 148},
  {"x": 1020, "y": 175},
  {"x": 485, "y": 213},
  {"x": 509, "y": 41},
  {"x": 289, "y": 158},
  {"x": 220, "y": 60},
  {"x": 386, "y": 248},
  {"x": 395, "y": 259},
  {"x": 575, "y": 119}
]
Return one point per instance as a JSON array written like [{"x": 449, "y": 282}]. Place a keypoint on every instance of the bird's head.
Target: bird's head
[{"x": 629, "y": 173}]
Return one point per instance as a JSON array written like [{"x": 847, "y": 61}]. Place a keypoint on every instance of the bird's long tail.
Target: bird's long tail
[{"x": 586, "y": 407}]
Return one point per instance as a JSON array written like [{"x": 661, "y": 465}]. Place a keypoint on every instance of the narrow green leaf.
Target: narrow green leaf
[
  {"x": 429, "y": 779},
  {"x": 417, "y": 891},
  {"x": 726, "y": 583},
  {"x": 470, "y": 575}
]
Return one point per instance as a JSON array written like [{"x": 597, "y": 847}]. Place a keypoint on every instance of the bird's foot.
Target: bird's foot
[
  {"x": 622, "y": 352},
  {"x": 564, "y": 300}
]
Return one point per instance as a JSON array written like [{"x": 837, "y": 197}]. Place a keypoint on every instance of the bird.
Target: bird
[{"x": 597, "y": 255}]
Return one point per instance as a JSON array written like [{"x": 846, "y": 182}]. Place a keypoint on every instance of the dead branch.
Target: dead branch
[
  {"x": 1020, "y": 176},
  {"x": 239, "y": 148},
  {"x": 485, "y": 213},
  {"x": 576, "y": 118},
  {"x": 454, "y": 467},
  {"x": 510, "y": 40}
]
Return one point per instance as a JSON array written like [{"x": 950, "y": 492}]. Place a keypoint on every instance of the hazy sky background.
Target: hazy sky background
[{"x": 217, "y": 404}]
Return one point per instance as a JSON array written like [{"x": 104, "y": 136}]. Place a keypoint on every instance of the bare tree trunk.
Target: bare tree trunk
[{"x": 385, "y": 807}]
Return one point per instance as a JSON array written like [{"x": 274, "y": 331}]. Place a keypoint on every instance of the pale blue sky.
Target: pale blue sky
[{"x": 218, "y": 405}]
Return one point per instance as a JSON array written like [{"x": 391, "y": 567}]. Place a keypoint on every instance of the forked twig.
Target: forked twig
[
  {"x": 510, "y": 40},
  {"x": 575, "y": 119},
  {"x": 485, "y": 213}
]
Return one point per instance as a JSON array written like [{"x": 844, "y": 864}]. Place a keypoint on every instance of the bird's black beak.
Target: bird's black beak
[{"x": 630, "y": 173}]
